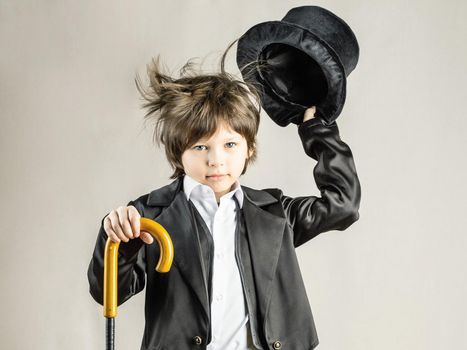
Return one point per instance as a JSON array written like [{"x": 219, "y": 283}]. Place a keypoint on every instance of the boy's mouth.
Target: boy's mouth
[{"x": 216, "y": 177}]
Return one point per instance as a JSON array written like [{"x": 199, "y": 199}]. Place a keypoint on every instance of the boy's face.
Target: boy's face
[{"x": 224, "y": 153}]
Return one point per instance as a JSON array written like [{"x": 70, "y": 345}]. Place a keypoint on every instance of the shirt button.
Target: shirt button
[
  {"x": 219, "y": 297},
  {"x": 220, "y": 255}
]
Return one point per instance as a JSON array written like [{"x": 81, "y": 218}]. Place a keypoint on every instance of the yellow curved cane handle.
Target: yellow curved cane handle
[{"x": 111, "y": 262}]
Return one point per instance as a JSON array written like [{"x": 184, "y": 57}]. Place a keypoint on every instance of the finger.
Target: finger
[
  {"x": 124, "y": 222},
  {"x": 115, "y": 224},
  {"x": 134, "y": 218},
  {"x": 109, "y": 231},
  {"x": 146, "y": 237}
]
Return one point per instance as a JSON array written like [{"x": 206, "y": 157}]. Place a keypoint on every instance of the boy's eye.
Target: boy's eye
[{"x": 233, "y": 144}]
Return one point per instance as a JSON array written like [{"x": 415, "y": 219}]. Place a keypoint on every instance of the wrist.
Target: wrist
[
  {"x": 310, "y": 121},
  {"x": 308, "y": 118},
  {"x": 309, "y": 113}
]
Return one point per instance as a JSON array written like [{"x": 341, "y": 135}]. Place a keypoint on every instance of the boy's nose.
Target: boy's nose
[
  {"x": 215, "y": 162},
  {"x": 216, "y": 159}
]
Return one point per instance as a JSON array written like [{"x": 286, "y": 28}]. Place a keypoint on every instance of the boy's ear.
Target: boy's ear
[{"x": 250, "y": 153}]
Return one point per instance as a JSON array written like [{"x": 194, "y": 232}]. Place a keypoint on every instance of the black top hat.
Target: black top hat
[{"x": 298, "y": 62}]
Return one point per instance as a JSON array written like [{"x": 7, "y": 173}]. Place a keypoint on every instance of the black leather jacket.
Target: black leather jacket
[{"x": 177, "y": 303}]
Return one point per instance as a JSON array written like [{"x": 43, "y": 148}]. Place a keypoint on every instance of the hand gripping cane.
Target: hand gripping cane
[{"x": 111, "y": 271}]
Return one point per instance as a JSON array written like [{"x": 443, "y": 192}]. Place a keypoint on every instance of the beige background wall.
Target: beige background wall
[{"x": 73, "y": 147}]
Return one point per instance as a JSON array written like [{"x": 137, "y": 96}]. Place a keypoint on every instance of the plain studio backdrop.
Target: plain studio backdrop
[{"x": 74, "y": 147}]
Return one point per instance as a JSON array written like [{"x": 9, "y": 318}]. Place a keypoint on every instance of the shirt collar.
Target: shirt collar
[{"x": 190, "y": 184}]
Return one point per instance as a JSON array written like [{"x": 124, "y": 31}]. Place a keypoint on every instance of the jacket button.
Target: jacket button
[
  {"x": 277, "y": 345},
  {"x": 197, "y": 340}
]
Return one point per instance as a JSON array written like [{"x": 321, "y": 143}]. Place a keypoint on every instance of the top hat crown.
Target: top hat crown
[{"x": 298, "y": 62}]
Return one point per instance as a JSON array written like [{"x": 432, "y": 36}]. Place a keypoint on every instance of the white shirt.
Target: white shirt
[{"x": 229, "y": 317}]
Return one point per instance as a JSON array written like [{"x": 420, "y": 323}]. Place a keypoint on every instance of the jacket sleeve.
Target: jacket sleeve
[
  {"x": 335, "y": 177},
  {"x": 131, "y": 266}
]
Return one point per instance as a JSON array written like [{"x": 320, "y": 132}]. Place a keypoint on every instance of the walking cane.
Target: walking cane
[{"x": 111, "y": 272}]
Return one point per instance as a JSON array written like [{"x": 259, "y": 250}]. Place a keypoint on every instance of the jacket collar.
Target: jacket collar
[{"x": 165, "y": 195}]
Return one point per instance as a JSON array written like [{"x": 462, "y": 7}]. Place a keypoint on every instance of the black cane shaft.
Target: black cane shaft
[{"x": 110, "y": 333}]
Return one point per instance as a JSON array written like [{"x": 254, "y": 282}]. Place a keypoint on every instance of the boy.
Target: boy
[{"x": 235, "y": 282}]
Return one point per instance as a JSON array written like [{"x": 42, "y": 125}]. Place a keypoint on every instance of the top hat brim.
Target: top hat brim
[{"x": 281, "y": 109}]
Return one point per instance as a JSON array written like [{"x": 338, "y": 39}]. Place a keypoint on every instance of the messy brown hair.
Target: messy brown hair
[{"x": 188, "y": 108}]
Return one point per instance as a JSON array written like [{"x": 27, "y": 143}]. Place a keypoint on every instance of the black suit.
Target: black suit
[{"x": 273, "y": 225}]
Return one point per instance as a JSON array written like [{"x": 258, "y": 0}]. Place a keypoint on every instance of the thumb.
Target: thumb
[{"x": 146, "y": 237}]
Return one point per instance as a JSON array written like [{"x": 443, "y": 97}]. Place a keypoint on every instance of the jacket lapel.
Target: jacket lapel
[
  {"x": 176, "y": 219},
  {"x": 265, "y": 233},
  {"x": 264, "y": 230}
]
